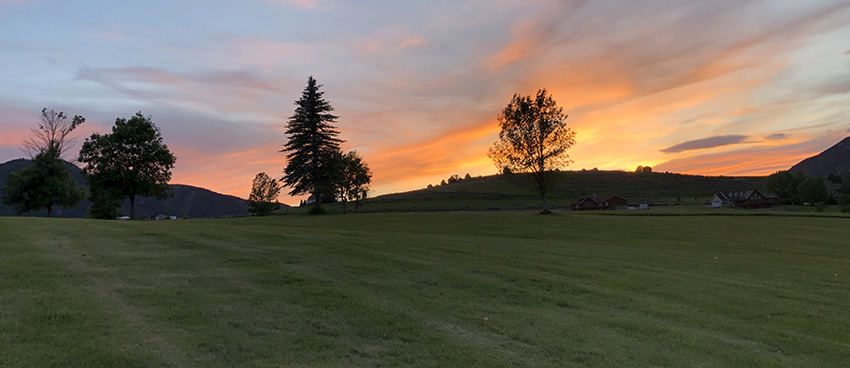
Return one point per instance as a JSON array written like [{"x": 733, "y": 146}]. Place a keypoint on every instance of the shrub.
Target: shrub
[
  {"x": 317, "y": 211},
  {"x": 844, "y": 202}
]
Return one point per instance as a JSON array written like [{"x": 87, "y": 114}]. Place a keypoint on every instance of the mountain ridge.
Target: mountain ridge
[
  {"x": 834, "y": 160},
  {"x": 187, "y": 200}
]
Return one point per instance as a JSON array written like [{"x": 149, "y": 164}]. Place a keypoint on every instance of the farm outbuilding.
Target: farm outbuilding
[{"x": 591, "y": 202}]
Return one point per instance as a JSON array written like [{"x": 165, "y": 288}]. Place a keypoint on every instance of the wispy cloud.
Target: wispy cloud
[
  {"x": 834, "y": 88},
  {"x": 705, "y": 143},
  {"x": 777, "y": 136},
  {"x": 163, "y": 77},
  {"x": 756, "y": 160},
  {"x": 414, "y": 41}
]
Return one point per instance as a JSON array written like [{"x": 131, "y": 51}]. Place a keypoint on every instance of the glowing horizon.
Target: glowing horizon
[{"x": 719, "y": 88}]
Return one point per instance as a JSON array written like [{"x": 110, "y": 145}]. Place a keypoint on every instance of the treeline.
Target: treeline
[
  {"x": 129, "y": 162},
  {"x": 798, "y": 188},
  {"x": 452, "y": 179},
  {"x": 132, "y": 161}
]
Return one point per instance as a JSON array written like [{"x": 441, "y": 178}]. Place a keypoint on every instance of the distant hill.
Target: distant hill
[
  {"x": 515, "y": 192},
  {"x": 189, "y": 201},
  {"x": 835, "y": 160}
]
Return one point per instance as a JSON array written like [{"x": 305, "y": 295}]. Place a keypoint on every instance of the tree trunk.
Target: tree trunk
[
  {"x": 49, "y": 211},
  {"x": 317, "y": 201},
  {"x": 545, "y": 204},
  {"x": 132, "y": 207},
  {"x": 344, "y": 202}
]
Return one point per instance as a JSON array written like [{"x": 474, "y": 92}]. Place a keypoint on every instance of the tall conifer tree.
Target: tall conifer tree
[{"x": 313, "y": 145}]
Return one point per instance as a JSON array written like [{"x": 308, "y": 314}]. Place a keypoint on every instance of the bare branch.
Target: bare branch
[{"x": 52, "y": 133}]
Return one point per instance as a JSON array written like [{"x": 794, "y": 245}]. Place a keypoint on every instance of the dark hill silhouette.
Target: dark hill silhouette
[
  {"x": 189, "y": 201},
  {"x": 835, "y": 160}
]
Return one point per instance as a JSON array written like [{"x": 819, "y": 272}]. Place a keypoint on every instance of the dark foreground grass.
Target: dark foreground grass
[{"x": 440, "y": 289}]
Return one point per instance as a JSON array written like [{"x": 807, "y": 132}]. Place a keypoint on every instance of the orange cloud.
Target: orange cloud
[
  {"x": 434, "y": 157},
  {"x": 524, "y": 44}
]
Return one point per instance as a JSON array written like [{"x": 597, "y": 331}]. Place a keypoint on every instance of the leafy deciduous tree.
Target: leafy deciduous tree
[
  {"x": 812, "y": 190},
  {"x": 44, "y": 185},
  {"x": 845, "y": 184},
  {"x": 797, "y": 187},
  {"x": 131, "y": 161},
  {"x": 844, "y": 202},
  {"x": 263, "y": 198},
  {"x": 784, "y": 184},
  {"x": 313, "y": 146},
  {"x": 534, "y": 139},
  {"x": 105, "y": 201},
  {"x": 844, "y": 197},
  {"x": 354, "y": 180},
  {"x": 47, "y": 183}
]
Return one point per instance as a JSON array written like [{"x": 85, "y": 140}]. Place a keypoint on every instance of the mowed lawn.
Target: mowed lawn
[{"x": 432, "y": 290}]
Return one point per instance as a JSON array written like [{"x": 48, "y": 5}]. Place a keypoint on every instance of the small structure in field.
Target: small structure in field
[
  {"x": 591, "y": 202},
  {"x": 746, "y": 199},
  {"x": 719, "y": 200},
  {"x": 161, "y": 216}
]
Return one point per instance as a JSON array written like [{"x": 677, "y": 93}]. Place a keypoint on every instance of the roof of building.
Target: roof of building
[
  {"x": 741, "y": 196},
  {"x": 585, "y": 199}
]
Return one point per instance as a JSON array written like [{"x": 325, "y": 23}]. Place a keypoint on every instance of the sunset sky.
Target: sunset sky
[{"x": 701, "y": 87}]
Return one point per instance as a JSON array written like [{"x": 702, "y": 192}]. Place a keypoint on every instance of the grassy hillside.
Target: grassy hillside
[
  {"x": 514, "y": 192},
  {"x": 440, "y": 289}
]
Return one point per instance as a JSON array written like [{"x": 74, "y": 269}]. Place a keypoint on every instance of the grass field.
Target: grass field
[{"x": 435, "y": 290}]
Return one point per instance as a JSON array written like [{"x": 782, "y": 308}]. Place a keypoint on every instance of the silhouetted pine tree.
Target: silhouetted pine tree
[{"x": 313, "y": 145}]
